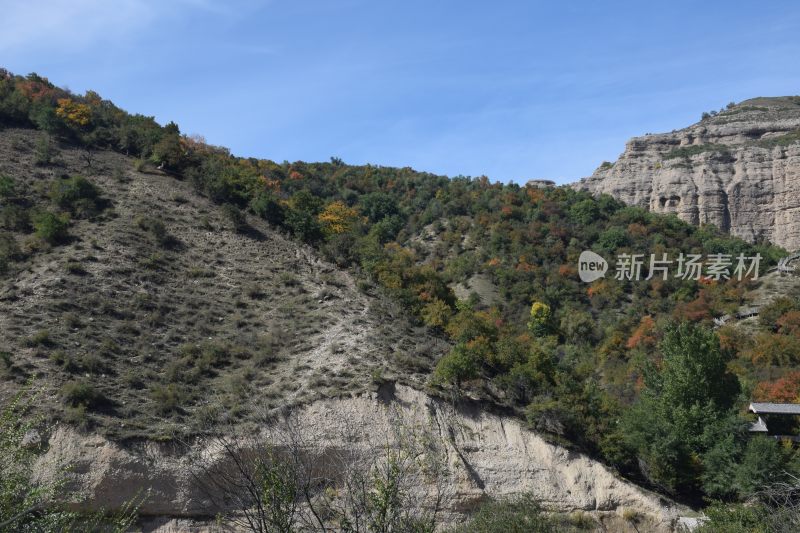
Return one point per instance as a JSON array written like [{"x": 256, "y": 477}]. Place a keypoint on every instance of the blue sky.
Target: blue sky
[{"x": 511, "y": 89}]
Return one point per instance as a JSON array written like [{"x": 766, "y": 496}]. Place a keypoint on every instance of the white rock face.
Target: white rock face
[
  {"x": 739, "y": 170},
  {"x": 487, "y": 455}
]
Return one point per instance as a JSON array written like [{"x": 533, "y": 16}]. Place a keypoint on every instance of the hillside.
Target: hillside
[
  {"x": 162, "y": 293},
  {"x": 154, "y": 318},
  {"x": 153, "y": 323},
  {"x": 738, "y": 169}
]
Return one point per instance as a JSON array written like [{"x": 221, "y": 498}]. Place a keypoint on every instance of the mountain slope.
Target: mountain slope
[
  {"x": 179, "y": 291},
  {"x": 175, "y": 330},
  {"x": 738, "y": 169}
]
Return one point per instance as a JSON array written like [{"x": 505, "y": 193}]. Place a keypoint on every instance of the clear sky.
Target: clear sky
[{"x": 511, "y": 89}]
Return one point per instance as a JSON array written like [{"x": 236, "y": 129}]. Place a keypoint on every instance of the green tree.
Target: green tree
[
  {"x": 302, "y": 216},
  {"x": 459, "y": 365},
  {"x": 268, "y": 207},
  {"x": 168, "y": 153},
  {"x": 684, "y": 409},
  {"x": 585, "y": 212}
]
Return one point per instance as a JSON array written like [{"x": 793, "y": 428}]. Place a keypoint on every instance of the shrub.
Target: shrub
[
  {"x": 289, "y": 279},
  {"x": 78, "y": 393},
  {"x": 267, "y": 207},
  {"x": 769, "y": 315},
  {"x": 43, "y": 153},
  {"x": 65, "y": 361},
  {"x": 255, "y": 292},
  {"x": 9, "y": 250},
  {"x": 7, "y": 186},
  {"x": 237, "y": 218},
  {"x": 167, "y": 398},
  {"x": 585, "y": 212},
  {"x": 77, "y": 195},
  {"x": 212, "y": 356},
  {"x": 302, "y": 216},
  {"x": 158, "y": 230},
  {"x": 686, "y": 152},
  {"x": 457, "y": 366},
  {"x": 15, "y": 218},
  {"x": 74, "y": 267},
  {"x": 40, "y": 338},
  {"x": 436, "y": 313},
  {"x": 51, "y": 228},
  {"x": 518, "y": 515}
]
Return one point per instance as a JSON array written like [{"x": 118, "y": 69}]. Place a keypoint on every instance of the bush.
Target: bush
[
  {"x": 15, "y": 218},
  {"x": 158, "y": 230},
  {"x": 167, "y": 398},
  {"x": 51, "y": 228},
  {"x": 65, "y": 361},
  {"x": 76, "y": 195},
  {"x": 457, "y": 366},
  {"x": 82, "y": 394},
  {"x": 267, "y": 207},
  {"x": 237, "y": 218},
  {"x": 9, "y": 251},
  {"x": 7, "y": 186},
  {"x": 518, "y": 515},
  {"x": 43, "y": 153},
  {"x": 40, "y": 338},
  {"x": 769, "y": 314}
]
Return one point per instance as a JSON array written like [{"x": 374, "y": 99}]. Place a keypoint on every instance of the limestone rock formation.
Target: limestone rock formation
[{"x": 738, "y": 170}]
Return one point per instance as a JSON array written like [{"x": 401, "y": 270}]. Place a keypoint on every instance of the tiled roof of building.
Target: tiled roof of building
[{"x": 775, "y": 408}]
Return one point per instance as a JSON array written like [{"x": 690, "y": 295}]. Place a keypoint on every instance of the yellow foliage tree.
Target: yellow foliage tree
[
  {"x": 436, "y": 313},
  {"x": 74, "y": 112},
  {"x": 539, "y": 319},
  {"x": 338, "y": 218}
]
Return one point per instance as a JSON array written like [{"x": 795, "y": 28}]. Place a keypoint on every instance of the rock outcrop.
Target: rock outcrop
[
  {"x": 487, "y": 455},
  {"x": 738, "y": 170}
]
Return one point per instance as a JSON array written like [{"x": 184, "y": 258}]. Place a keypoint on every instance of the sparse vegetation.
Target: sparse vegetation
[
  {"x": 686, "y": 152},
  {"x": 780, "y": 140},
  {"x": 51, "y": 228}
]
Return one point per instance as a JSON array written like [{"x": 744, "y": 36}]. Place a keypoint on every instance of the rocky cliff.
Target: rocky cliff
[
  {"x": 738, "y": 169},
  {"x": 486, "y": 455}
]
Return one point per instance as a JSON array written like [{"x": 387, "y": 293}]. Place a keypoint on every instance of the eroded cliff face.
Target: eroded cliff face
[
  {"x": 486, "y": 455},
  {"x": 738, "y": 170}
]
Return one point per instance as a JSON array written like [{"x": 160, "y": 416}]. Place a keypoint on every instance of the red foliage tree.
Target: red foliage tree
[{"x": 785, "y": 389}]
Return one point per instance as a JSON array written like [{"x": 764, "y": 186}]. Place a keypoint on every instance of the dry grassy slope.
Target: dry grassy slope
[{"x": 295, "y": 326}]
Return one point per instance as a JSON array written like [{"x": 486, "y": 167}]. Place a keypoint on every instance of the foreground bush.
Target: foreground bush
[{"x": 518, "y": 515}]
